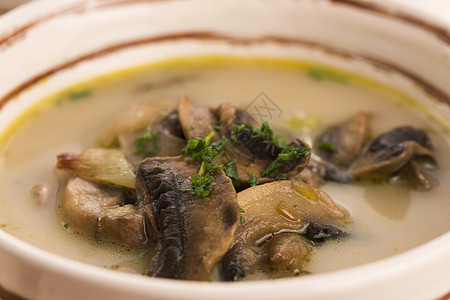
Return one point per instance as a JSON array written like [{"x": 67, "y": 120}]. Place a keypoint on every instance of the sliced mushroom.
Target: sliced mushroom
[
  {"x": 105, "y": 165},
  {"x": 253, "y": 154},
  {"x": 276, "y": 209},
  {"x": 154, "y": 122},
  {"x": 393, "y": 152},
  {"x": 287, "y": 252},
  {"x": 193, "y": 233},
  {"x": 164, "y": 138},
  {"x": 196, "y": 120},
  {"x": 343, "y": 144},
  {"x": 103, "y": 211},
  {"x": 308, "y": 177},
  {"x": 413, "y": 175},
  {"x": 137, "y": 117}
]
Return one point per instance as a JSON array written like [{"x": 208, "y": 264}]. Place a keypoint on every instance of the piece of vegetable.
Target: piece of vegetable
[
  {"x": 200, "y": 150},
  {"x": 193, "y": 231},
  {"x": 394, "y": 152},
  {"x": 104, "y": 165},
  {"x": 280, "y": 211},
  {"x": 103, "y": 211},
  {"x": 147, "y": 144},
  {"x": 341, "y": 145},
  {"x": 288, "y": 155},
  {"x": 253, "y": 179}
]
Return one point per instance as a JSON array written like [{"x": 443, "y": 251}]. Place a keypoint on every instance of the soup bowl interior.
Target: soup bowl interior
[{"x": 47, "y": 46}]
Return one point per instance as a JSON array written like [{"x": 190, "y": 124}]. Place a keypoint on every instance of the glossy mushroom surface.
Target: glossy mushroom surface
[
  {"x": 104, "y": 212},
  {"x": 191, "y": 233},
  {"x": 273, "y": 210}
]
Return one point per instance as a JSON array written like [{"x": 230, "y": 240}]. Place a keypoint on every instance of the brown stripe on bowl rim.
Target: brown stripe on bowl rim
[
  {"x": 426, "y": 86},
  {"x": 9, "y": 39}
]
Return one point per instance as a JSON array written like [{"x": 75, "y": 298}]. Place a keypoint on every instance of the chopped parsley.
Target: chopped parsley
[
  {"x": 242, "y": 218},
  {"x": 231, "y": 171},
  {"x": 327, "y": 146},
  {"x": 280, "y": 242},
  {"x": 288, "y": 155},
  {"x": 280, "y": 177},
  {"x": 253, "y": 180},
  {"x": 264, "y": 132},
  {"x": 66, "y": 225},
  {"x": 217, "y": 126},
  {"x": 201, "y": 150},
  {"x": 294, "y": 206},
  {"x": 147, "y": 144},
  {"x": 78, "y": 94},
  {"x": 200, "y": 185},
  {"x": 323, "y": 74},
  {"x": 279, "y": 140},
  {"x": 190, "y": 127},
  {"x": 240, "y": 128}
]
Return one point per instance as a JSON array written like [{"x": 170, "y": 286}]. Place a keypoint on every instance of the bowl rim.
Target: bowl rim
[{"x": 379, "y": 272}]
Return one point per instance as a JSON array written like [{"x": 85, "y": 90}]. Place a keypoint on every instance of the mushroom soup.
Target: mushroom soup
[{"x": 255, "y": 168}]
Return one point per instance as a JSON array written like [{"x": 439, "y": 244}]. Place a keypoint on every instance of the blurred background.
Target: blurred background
[{"x": 6, "y": 5}]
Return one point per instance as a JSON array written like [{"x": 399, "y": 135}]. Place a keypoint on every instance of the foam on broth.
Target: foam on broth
[{"x": 386, "y": 220}]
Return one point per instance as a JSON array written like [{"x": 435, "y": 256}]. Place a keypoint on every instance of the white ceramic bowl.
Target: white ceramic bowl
[{"x": 67, "y": 41}]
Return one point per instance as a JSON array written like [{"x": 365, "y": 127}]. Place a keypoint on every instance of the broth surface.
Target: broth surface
[{"x": 296, "y": 99}]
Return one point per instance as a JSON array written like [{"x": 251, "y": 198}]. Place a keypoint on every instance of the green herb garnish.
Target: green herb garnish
[
  {"x": 200, "y": 185},
  {"x": 322, "y": 74},
  {"x": 294, "y": 206},
  {"x": 239, "y": 128},
  {"x": 288, "y": 155},
  {"x": 253, "y": 180},
  {"x": 200, "y": 150},
  {"x": 66, "y": 225},
  {"x": 194, "y": 146},
  {"x": 219, "y": 144},
  {"x": 190, "y": 127},
  {"x": 327, "y": 146},
  {"x": 280, "y": 242},
  {"x": 147, "y": 144},
  {"x": 217, "y": 125},
  {"x": 280, "y": 177},
  {"x": 231, "y": 171},
  {"x": 264, "y": 132},
  {"x": 241, "y": 210},
  {"x": 78, "y": 94},
  {"x": 242, "y": 219},
  {"x": 279, "y": 140}
]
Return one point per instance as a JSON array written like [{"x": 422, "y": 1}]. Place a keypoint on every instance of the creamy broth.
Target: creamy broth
[{"x": 387, "y": 220}]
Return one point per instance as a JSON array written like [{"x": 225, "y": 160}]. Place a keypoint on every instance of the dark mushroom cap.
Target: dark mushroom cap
[
  {"x": 341, "y": 145},
  {"x": 253, "y": 154},
  {"x": 192, "y": 232},
  {"x": 393, "y": 152}
]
